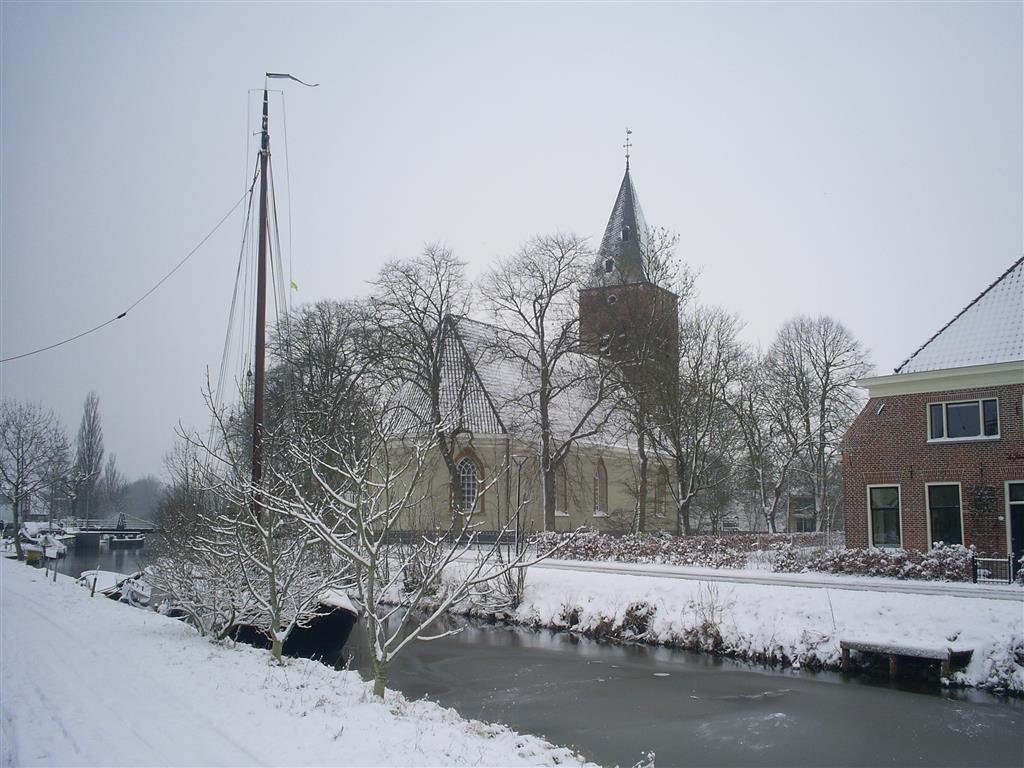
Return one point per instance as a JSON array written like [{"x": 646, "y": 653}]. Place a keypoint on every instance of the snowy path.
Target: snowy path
[
  {"x": 86, "y": 681},
  {"x": 805, "y": 580}
]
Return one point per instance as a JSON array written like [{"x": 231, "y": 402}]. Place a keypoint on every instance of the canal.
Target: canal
[{"x": 615, "y": 703}]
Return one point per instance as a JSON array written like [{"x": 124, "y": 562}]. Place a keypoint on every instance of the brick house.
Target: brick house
[{"x": 937, "y": 453}]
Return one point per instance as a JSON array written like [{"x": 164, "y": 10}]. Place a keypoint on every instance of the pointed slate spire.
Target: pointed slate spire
[{"x": 625, "y": 240}]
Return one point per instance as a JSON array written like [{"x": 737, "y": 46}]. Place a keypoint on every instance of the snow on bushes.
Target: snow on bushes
[
  {"x": 789, "y": 553},
  {"x": 703, "y": 551},
  {"x": 941, "y": 563}
]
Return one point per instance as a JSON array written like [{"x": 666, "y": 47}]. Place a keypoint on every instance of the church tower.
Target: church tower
[{"x": 623, "y": 315}]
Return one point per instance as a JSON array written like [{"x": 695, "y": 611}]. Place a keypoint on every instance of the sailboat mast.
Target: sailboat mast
[{"x": 261, "y": 311}]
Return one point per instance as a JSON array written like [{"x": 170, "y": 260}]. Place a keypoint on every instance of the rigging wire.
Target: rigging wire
[
  {"x": 139, "y": 300},
  {"x": 288, "y": 192}
]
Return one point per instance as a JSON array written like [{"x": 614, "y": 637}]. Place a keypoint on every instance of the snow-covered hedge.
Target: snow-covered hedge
[
  {"x": 789, "y": 553},
  {"x": 704, "y": 551},
  {"x": 941, "y": 563}
]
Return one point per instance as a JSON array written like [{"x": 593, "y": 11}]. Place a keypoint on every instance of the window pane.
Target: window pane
[
  {"x": 1016, "y": 491},
  {"x": 991, "y": 413},
  {"x": 469, "y": 483},
  {"x": 944, "y": 508},
  {"x": 963, "y": 420},
  {"x": 935, "y": 412},
  {"x": 885, "y": 517}
]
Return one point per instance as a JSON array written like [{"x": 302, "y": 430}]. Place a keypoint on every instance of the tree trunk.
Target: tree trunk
[
  {"x": 276, "y": 648},
  {"x": 380, "y": 677},
  {"x": 641, "y": 491},
  {"x": 15, "y": 514},
  {"x": 550, "y": 495}
]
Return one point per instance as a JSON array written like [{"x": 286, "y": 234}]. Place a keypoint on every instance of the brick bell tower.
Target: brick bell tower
[{"x": 623, "y": 315}]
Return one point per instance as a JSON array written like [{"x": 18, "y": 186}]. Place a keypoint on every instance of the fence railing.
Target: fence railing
[{"x": 993, "y": 570}]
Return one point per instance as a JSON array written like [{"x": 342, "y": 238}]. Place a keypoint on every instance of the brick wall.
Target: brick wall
[{"x": 891, "y": 447}]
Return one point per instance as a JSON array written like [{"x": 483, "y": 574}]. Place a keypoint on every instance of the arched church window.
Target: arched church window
[
  {"x": 469, "y": 483},
  {"x": 661, "y": 492},
  {"x": 609, "y": 265},
  {"x": 600, "y": 488},
  {"x": 561, "y": 491}
]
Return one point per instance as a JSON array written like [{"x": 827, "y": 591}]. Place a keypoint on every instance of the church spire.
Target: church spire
[{"x": 621, "y": 256}]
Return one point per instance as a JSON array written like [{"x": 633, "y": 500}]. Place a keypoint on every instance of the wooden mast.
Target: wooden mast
[{"x": 261, "y": 314}]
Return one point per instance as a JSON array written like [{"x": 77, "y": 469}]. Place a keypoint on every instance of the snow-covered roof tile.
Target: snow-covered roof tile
[{"x": 988, "y": 330}]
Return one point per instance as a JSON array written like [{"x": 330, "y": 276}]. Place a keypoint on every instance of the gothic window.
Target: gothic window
[
  {"x": 469, "y": 483},
  {"x": 661, "y": 492},
  {"x": 561, "y": 492},
  {"x": 600, "y": 489},
  {"x": 609, "y": 266}
]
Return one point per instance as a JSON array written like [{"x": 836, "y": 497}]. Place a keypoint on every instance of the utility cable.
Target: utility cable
[{"x": 139, "y": 300}]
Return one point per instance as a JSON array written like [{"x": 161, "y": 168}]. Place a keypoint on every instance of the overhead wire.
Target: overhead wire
[{"x": 141, "y": 298}]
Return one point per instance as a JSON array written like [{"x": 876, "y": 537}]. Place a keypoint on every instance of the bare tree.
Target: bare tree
[
  {"x": 695, "y": 429},
  {"x": 199, "y": 581},
  {"x": 769, "y": 427},
  {"x": 88, "y": 458},
  {"x": 815, "y": 364},
  {"x": 32, "y": 445},
  {"x": 565, "y": 396},
  {"x": 404, "y": 580},
  {"x": 413, "y": 303},
  {"x": 110, "y": 488}
]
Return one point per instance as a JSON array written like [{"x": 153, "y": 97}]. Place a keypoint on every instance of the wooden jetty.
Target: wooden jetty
[{"x": 946, "y": 655}]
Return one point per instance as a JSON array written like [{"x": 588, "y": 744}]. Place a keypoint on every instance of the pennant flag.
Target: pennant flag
[{"x": 283, "y": 76}]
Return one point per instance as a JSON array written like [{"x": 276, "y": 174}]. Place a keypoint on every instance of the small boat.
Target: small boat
[
  {"x": 128, "y": 588},
  {"x": 126, "y": 540}
]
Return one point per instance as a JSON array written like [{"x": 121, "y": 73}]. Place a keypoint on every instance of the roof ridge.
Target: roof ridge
[{"x": 959, "y": 314}]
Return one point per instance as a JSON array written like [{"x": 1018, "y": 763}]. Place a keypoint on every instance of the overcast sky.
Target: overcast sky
[{"x": 861, "y": 160}]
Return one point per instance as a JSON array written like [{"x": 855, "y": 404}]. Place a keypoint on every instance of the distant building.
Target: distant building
[{"x": 937, "y": 453}]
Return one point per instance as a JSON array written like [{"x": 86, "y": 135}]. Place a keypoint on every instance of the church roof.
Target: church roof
[
  {"x": 625, "y": 240},
  {"x": 489, "y": 393},
  {"x": 988, "y": 330}
]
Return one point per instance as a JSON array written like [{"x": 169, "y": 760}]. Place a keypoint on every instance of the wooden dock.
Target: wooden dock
[{"x": 946, "y": 655}]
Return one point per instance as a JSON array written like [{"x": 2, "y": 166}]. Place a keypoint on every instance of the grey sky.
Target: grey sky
[{"x": 862, "y": 160}]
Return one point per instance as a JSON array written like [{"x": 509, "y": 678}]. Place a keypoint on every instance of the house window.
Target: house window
[
  {"x": 963, "y": 420},
  {"x": 600, "y": 489},
  {"x": 944, "y": 514},
  {"x": 884, "y": 515},
  {"x": 469, "y": 483}
]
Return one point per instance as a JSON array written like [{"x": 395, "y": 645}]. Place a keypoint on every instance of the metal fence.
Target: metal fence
[{"x": 993, "y": 570}]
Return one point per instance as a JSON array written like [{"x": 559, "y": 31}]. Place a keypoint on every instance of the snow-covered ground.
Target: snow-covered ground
[
  {"x": 795, "y": 619},
  {"x": 87, "y": 681}
]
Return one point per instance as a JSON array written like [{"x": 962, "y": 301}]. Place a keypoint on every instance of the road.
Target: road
[{"x": 858, "y": 583}]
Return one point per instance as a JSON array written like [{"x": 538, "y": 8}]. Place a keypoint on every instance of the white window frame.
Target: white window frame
[
  {"x": 1006, "y": 513},
  {"x": 899, "y": 510},
  {"x": 928, "y": 509},
  {"x": 945, "y": 421},
  {"x": 477, "y": 507}
]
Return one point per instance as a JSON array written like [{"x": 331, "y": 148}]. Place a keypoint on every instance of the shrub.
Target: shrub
[{"x": 941, "y": 563}]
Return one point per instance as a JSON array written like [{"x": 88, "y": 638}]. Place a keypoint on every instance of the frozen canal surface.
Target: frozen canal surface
[{"x": 615, "y": 702}]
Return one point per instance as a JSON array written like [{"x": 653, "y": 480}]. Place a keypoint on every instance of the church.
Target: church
[{"x": 596, "y": 483}]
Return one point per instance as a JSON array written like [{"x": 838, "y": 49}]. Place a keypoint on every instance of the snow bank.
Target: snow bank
[
  {"x": 87, "y": 681},
  {"x": 789, "y": 625}
]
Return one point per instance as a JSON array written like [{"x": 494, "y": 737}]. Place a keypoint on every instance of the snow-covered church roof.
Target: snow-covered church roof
[{"x": 988, "y": 330}]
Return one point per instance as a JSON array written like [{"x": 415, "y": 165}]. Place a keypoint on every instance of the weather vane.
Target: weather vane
[{"x": 627, "y": 146}]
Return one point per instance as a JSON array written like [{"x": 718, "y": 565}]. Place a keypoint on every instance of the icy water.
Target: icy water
[
  {"x": 615, "y": 702},
  {"x": 80, "y": 559}
]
